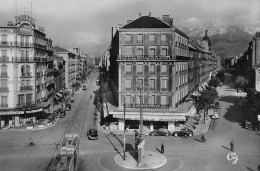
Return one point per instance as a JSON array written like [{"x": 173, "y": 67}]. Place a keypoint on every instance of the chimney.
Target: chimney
[
  {"x": 140, "y": 15},
  {"x": 10, "y": 24},
  {"x": 171, "y": 22},
  {"x": 166, "y": 18},
  {"x": 150, "y": 14},
  {"x": 41, "y": 29}
]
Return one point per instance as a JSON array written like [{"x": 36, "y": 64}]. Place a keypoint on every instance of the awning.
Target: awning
[{"x": 152, "y": 117}]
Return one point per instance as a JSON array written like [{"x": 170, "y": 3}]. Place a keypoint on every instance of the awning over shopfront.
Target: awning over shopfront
[
  {"x": 152, "y": 117},
  {"x": 11, "y": 112}
]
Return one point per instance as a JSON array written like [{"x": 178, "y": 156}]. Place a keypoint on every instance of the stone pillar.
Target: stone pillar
[
  {"x": 120, "y": 124},
  {"x": 171, "y": 126}
]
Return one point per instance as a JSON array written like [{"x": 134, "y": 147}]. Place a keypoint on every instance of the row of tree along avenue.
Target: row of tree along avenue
[{"x": 207, "y": 97}]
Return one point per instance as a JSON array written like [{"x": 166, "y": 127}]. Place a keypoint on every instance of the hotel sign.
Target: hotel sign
[
  {"x": 25, "y": 29},
  {"x": 5, "y": 30},
  {"x": 25, "y": 18}
]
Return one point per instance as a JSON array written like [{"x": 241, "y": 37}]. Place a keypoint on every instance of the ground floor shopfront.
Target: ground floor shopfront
[
  {"x": 151, "y": 120},
  {"x": 19, "y": 118}
]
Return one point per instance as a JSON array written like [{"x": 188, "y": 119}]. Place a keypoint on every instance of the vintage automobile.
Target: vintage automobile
[
  {"x": 183, "y": 132},
  {"x": 215, "y": 116},
  {"x": 160, "y": 132},
  {"x": 248, "y": 124},
  {"x": 84, "y": 87},
  {"x": 92, "y": 134}
]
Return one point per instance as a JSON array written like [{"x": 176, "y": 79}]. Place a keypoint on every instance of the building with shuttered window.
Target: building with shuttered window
[{"x": 149, "y": 59}]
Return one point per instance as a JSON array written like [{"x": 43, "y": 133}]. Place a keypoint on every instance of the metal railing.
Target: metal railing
[
  {"x": 26, "y": 88},
  {"x": 4, "y": 89}
]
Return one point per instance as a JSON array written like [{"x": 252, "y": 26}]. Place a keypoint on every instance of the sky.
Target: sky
[{"x": 87, "y": 24}]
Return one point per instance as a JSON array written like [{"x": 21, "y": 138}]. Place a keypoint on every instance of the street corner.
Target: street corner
[{"x": 152, "y": 160}]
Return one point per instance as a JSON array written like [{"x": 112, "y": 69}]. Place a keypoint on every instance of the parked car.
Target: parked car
[
  {"x": 160, "y": 132},
  {"x": 183, "y": 132},
  {"x": 248, "y": 124},
  {"x": 92, "y": 134},
  {"x": 84, "y": 87},
  {"x": 215, "y": 116}
]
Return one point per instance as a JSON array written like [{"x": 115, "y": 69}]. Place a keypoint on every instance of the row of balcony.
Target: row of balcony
[
  {"x": 145, "y": 57},
  {"x": 6, "y": 59},
  {"x": 23, "y": 44}
]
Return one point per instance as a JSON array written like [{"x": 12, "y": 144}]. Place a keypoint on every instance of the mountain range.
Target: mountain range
[{"x": 226, "y": 40}]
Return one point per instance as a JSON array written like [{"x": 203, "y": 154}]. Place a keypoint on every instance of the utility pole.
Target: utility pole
[{"x": 124, "y": 129}]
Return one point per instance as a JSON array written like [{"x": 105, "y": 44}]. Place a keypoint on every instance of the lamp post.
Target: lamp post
[{"x": 124, "y": 129}]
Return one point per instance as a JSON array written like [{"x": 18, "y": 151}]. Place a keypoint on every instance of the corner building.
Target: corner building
[{"x": 149, "y": 59}]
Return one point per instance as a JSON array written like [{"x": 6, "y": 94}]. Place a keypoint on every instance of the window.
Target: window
[
  {"x": 128, "y": 38},
  {"x": 152, "y": 69},
  {"x": 28, "y": 98},
  {"x": 163, "y": 100},
  {"x": 22, "y": 54},
  {"x": 152, "y": 100},
  {"x": 4, "y": 70},
  {"x": 164, "y": 68},
  {"x": 139, "y": 38},
  {"x": 152, "y": 52},
  {"x": 128, "y": 50},
  {"x": 164, "y": 52},
  {"x": 21, "y": 100},
  {"x": 152, "y": 38},
  {"x": 4, "y": 83},
  {"x": 27, "y": 82},
  {"x": 152, "y": 84},
  {"x": 128, "y": 69},
  {"x": 4, "y": 102},
  {"x": 139, "y": 68},
  {"x": 4, "y": 53},
  {"x": 128, "y": 83},
  {"x": 4, "y": 39},
  {"x": 137, "y": 100},
  {"x": 163, "y": 84},
  {"x": 23, "y": 83},
  {"x": 163, "y": 37},
  {"x": 140, "y": 51},
  {"x": 128, "y": 100}
]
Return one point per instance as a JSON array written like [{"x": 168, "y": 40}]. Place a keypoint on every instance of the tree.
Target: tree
[
  {"x": 253, "y": 106},
  {"x": 214, "y": 82},
  {"x": 241, "y": 83},
  {"x": 206, "y": 98},
  {"x": 221, "y": 75}
]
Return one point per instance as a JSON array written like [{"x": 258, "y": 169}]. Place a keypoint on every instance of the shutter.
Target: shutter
[
  {"x": 170, "y": 84},
  {"x": 146, "y": 70},
  {"x": 146, "y": 98},
  {"x": 146, "y": 84},
  {"x": 158, "y": 100},
  {"x": 170, "y": 101},
  {"x": 134, "y": 69},
  {"x": 134, "y": 83},
  {"x": 158, "y": 86}
]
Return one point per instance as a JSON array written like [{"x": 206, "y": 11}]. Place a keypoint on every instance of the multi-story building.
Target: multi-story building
[
  {"x": 151, "y": 54},
  {"x": 256, "y": 59},
  {"x": 70, "y": 65},
  {"x": 25, "y": 54}
]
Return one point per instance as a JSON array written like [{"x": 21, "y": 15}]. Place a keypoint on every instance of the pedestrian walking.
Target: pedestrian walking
[
  {"x": 232, "y": 146},
  {"x": 162, "y": 148}
]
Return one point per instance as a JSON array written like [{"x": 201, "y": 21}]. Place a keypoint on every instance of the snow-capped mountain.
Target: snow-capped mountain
[{"x": 226, "y": 40}]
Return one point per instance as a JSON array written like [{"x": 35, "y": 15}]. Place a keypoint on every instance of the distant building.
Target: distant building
[{"x": 256, "y": 59}]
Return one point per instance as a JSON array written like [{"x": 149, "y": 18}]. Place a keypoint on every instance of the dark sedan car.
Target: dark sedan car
[
  {"x": 92, "y": 134},
  {"x": 160, "y": 132},
  {"x": 183, "y": 132}
]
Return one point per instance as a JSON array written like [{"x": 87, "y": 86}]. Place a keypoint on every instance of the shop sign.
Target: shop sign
[
  {"x": 25, "y": 29},
  {"x": 26, "y": 18},
  {"x": 67, "y": 148},
  {"x": 5, "y": 30},
  {"x": 12, "y": 113},
  {"x": 34, "y": 111}
]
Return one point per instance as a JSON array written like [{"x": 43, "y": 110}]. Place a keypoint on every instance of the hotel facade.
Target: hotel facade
[{"x": 151, "y": 69}]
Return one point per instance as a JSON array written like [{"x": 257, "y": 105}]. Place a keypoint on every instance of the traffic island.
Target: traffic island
[{"x": 152, "y": 160}]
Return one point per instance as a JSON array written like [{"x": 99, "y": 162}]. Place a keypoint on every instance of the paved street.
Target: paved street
[{"x": 182, "y": 154}]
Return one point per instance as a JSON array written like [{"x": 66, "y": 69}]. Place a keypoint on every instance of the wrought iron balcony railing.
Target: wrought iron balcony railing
[
  {"x": 4, "y": 89},
  {"x": 144, "y": 57},
  {"x": 26, "y": 88}
]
